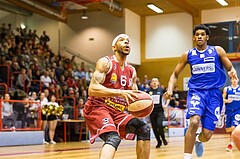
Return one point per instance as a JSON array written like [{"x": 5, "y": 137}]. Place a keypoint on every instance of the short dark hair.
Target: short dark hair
[{"x": 201, "y": 27}]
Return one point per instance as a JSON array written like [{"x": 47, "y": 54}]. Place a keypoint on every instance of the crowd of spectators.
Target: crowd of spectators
[{"x": 34, "y": 68}]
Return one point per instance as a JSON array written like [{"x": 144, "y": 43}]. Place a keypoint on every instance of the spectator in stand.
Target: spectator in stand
[
  {"x": 8, "y": 116},
  {"x": 145, "y": 86},
  {"x": 37, "y": 75},
  {"x": 52, "y": 89},
  {"x": 33, "y": 110},
  {"x": 46, "y": 92},
  {"x": 65, "y": 90},
  {"x": 3, "y": 32},
  {"x": 62, "y": 80},
  {"x": 35, "y": 36},
  {"x": 45, "y": 79},
  {"x": 59, "y": 91},
  {"x": 17, "y": 35},
  {"x": 25, "y": 119},
  {"x": 80, "y": 107},
  {"x": 56, "y": 70},
  {"x": 89, "y": 76},
  {"x": 15, "y": 70},
  {"x": 53, "y": 78},
  {"x": 73, "y": 62},
  {"x": 44, "y": 38},
  {"x": 77, "y": 96},
  {"x": 138, "y": 82},
  {"x": 84, "y": 96},
  {"x": 9, "y": 30},
  {"x": 23, "y": 81},
  {"x": 72, "y": 83}
]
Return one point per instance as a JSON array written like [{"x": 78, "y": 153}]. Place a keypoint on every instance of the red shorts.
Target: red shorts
[{"x": 101, "y": 118}]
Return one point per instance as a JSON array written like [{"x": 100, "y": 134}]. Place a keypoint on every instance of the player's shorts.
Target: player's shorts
[
  {"x": 101, "y": 118},
  {"x": 206, "y": 103},
  {"x": 232, "y": 118}
]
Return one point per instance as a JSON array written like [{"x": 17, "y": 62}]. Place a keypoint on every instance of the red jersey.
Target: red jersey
[
  {"x": 106, "y": 114},
  {"x": 117, "y": 78}
]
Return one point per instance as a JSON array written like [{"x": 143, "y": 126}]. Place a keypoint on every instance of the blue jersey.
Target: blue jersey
[
  {"x": 206, "y": 69},
  {"x": 234, "y": 94}
]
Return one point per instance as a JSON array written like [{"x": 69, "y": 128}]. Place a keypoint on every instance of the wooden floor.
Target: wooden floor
[{"x": 214, "y": 149}]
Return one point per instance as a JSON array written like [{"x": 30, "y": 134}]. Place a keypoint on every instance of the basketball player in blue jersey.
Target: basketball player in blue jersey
[
  {"x": 204, "y": 100},
  {"x": 231, "y": 97}
]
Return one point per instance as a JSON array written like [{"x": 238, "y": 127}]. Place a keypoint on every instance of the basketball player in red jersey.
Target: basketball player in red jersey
[{"x": 112, "y": 88}]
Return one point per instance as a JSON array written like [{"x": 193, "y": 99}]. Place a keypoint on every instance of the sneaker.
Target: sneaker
[
  {"x": 45, "y": 142},
  {"x": 165, "y": 142},
  {"x": 52, "y": 142},
  {"x": 199, "y": 149},
  {"x": 159, "y": 144},
  {"x": 229, "y": 148}
]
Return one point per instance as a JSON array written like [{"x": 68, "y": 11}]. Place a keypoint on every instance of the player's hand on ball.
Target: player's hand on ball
[
  {"x": 167, "y": 95},
  {"x": 128, "y": 95}
]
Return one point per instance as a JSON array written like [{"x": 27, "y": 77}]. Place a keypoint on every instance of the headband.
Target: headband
[{"x": 118, "y": 37}]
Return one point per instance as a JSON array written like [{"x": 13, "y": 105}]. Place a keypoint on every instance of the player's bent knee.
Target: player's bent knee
[
  {"x": 143, "y": 133},
  {"x": 111, "y": 138},
  {"x": 140, "y": 128}
]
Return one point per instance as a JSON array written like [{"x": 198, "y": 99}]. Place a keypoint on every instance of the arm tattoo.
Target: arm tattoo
[{"x": 99, "y": 77}]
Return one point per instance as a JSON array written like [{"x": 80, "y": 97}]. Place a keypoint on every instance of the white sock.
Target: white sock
[
  {"x": 197, "y": 139},
  {"x": 187, "y": 156}
]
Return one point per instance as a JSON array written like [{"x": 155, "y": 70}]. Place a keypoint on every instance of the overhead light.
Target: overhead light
[
  {"x": 222, "y": 2},
  {"x": 84, "y": 16},
  {"x": 224, "y": 29},
  {"x": 155, "y": 8},
  {"x": 22, "y": 26},
  {"x": 212, "y": 26}
]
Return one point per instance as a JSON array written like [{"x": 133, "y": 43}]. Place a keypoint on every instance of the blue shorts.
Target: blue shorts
[
  {"x": 232, "y": 118},
  {"x": 205, "y": 103}
]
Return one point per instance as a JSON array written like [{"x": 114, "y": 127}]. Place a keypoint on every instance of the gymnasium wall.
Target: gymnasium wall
[
  {"x": 157, "y": 41},
  {"x": 161, "y": 63}
]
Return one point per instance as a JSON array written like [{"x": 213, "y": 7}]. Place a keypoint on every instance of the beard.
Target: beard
[{"x": 124, "y": 51}]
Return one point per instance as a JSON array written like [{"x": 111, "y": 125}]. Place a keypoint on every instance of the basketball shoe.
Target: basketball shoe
[
  {"x": 229, "y": 147},
  {"x": 159, "y": 144},
  {"x": 199, "y": 148},
  {"x": 52, "y": 142}
]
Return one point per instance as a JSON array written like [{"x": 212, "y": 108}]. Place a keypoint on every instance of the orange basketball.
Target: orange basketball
[
  {"x": 142, "y": 106},
  {"x": 236, "y": 137}
]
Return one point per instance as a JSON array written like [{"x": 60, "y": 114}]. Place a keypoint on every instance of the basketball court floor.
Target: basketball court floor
[{"x": 214, "y": 149}]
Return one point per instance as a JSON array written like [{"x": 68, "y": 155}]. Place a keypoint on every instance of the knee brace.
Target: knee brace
[
  {"x": 138, "y": 127},
  {"x": 111, "y": 138}
]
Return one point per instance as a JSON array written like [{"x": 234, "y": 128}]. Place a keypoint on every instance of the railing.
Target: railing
[
  {"x": 75, "y": 110},
  {"x": 81, "y": 57},
  {"x": 6, "y": 87}
]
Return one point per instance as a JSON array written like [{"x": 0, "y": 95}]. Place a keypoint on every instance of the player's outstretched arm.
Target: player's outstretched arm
[
  {"x": 226, "y": 62},
  {"x": 173, "y": 78}
]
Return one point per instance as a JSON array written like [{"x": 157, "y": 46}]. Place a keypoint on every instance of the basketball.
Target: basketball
[
  {"x": 236, "y": 137},
  {"x": 142, "y": 106}
]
